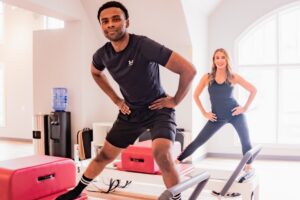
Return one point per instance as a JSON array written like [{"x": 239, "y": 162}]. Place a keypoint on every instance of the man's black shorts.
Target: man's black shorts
[{"x": 127, "y": 128}]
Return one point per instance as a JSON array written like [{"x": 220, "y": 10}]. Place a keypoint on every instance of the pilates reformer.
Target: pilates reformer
[
  {"x": 37, "y": 177},
  {"x": 246, "y": 187},
  {"x": 196, "y": 182}
]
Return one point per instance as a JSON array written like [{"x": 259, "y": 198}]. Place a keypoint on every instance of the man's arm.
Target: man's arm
[
  {"x": 186, "y": 71},
  {"x": 103, "y": 83}
]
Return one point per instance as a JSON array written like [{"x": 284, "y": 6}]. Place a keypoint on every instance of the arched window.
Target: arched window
[{"x": 268, "y": 55}]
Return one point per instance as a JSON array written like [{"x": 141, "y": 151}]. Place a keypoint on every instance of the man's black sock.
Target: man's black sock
[
  {"x": 177, "y": 197},
  {"x": 73, "y": 194}
]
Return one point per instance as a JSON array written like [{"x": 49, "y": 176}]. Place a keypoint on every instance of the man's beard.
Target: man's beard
[{"x": 117, "y": 37}]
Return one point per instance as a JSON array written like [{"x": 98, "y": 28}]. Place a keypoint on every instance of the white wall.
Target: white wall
[
  {"x": 16, "y": 55},
  {"x": 58, "y": 61},
  {"x": 198, "y": 34},
  {"x": 226, "y": 23},
  {"x": 65, "y": 10},
  {"x": 61, "y": 66},
  {"x": 62, "y": 59},
  {"x": 57, "y": 53}
]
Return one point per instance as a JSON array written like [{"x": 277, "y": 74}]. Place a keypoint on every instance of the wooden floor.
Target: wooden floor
[
  {"x": 279, "y": 180},
  {"x": 14, "y": 149}
]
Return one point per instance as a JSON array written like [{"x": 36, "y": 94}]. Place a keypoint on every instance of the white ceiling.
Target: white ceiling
[
  {"x": 92, "y": 6},
  {"x": 72, "y": 9},
  {"x": 204, "y": 6},
  {"x": 67, "y": 9}
]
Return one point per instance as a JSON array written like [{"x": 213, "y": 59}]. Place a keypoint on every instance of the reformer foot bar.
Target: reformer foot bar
[
  {"x": 199, "y": 180},
  {"x": 246, "y": 186}
]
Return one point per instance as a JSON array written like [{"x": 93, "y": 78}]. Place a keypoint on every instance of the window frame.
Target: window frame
[
  {"x": 48, "y": 25},
  {"x": 276, "y": 13}
]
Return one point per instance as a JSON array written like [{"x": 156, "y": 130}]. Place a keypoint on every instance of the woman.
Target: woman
[{"x": 225, "y": 109}]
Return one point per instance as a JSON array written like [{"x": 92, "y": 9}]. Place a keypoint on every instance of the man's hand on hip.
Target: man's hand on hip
[
  {"x": 165, "y": 102},
  {"x": 123, "y": 107}
]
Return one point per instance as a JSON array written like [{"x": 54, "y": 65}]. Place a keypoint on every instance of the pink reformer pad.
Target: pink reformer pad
[
  {"x": 139, "y": 158},
  {"x": 36, "y": 177}
]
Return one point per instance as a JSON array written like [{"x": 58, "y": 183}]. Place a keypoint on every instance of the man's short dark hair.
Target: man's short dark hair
[{"x": 113, "y": 4}]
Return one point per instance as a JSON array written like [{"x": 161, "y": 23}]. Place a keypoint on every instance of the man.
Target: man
[{"x": 133, "y": 61}]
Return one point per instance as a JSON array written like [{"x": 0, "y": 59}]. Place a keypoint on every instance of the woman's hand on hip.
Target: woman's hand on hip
[
  {"x": 238, "y": 110},
  {"x": 210, "y": 116}
]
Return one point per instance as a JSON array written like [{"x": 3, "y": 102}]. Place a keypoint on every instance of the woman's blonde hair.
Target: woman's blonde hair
[{"x": 229, "y": 73}]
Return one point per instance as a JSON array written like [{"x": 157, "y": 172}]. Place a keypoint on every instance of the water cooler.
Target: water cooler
[
  {"x": 59, "y": 124},
  {"x": 52, "y": 132},
  {"x": 59, "y": 128}
]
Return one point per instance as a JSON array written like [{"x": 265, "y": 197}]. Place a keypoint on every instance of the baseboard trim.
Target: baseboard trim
[
  {"x": 259, "y": 157},
  {"x": 15, "y": 139}
]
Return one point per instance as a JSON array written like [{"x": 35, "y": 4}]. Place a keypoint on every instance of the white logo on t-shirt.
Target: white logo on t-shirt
[{"x": 130, "y": 62}]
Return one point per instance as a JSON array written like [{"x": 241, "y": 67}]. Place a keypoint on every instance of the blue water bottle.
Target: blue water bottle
[{"x": 59, "y": 99}]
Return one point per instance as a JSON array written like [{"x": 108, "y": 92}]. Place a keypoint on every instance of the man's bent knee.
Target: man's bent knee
[
  {"x": 164, "y": 160},
  {"x": 104, "y": 157}
]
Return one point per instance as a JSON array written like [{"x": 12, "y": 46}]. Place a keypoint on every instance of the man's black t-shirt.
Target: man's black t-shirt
[{"x": 135, "y": 69}]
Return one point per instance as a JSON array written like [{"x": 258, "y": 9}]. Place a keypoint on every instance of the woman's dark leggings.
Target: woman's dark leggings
[{"x": 238, "y": 122}]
